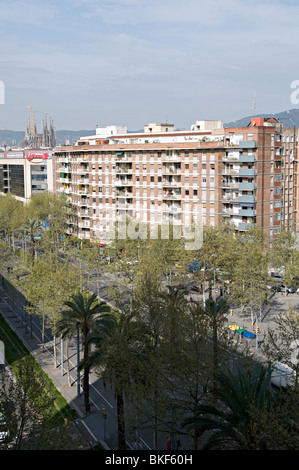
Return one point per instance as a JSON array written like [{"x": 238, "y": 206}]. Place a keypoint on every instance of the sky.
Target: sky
[{"x": 89, "y": 63}]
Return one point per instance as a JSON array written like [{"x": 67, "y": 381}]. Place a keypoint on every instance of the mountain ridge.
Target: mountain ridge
[{"x": 288, "y": 118}]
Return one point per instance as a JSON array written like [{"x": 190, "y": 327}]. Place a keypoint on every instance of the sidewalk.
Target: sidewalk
[{"x": 91, "y": 425}]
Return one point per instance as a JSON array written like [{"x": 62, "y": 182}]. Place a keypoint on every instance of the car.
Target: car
[
  {"x": 4, "y": 433},
  {"x": 282, "y": 288}
]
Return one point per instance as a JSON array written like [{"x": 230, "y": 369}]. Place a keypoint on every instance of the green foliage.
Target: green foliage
[{"x": 228, "y": 419}]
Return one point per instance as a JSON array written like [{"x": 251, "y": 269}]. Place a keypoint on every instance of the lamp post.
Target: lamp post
[{"x": 256, "y": 328}]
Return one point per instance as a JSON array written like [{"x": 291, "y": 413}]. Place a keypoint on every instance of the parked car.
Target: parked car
[
  {"x": 4, "y": 433},
  {"x": 288, "y": 290},
  {"x": 282, "y": 288}
]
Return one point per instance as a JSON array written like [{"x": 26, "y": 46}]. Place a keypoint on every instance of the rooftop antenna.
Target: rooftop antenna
[{"x": 253, "y": 107}]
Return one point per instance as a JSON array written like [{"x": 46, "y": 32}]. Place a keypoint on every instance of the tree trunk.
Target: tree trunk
[
  {"x": 86, "y": 389},
  {"x": 86, "y": 372},
  {"x": 121, "y": 422}
]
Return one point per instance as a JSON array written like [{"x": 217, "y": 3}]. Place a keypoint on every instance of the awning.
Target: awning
[
  {"x": 247, "y": 334},
  {"x": 195, "y": 266},
  {"x": 119, "y": 153},
  {"x": 234, "y": 327},
  {"x": 240, "y": 330}
]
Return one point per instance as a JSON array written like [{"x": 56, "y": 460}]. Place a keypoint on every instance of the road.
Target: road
[{"x": 105, "y": 429}]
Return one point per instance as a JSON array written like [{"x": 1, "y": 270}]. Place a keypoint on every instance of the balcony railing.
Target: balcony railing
[
  {"x": 250, "y": 144},
  {"x": 247, "y": 212}
]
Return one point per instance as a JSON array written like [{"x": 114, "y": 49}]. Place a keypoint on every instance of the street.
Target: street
[{"x": 103, "y": 426}]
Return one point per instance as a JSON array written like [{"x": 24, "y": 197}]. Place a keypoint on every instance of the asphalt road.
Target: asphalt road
[{"x": 102, "y": 429}]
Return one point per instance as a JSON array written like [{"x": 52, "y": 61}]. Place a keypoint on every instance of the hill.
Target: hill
[
  {"x": 288, "y": 118},
  {"x": 8, "y": 137}
]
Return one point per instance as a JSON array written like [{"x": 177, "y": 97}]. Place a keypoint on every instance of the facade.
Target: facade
[
  {"x": 289, "y": 190},
  {"x": 204, "y": 175},
  {"x": 24, "y": 172}
]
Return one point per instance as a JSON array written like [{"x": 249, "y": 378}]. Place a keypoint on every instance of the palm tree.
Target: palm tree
[
  {"x": 173, "y": 303},
  {"x": 123, "y": 358},
  {"x": 232, "y": 422},
  {"x": 89, "y": 316},
  {"x": 31, "y": 227},
  {"x": 216, "y": 316}
]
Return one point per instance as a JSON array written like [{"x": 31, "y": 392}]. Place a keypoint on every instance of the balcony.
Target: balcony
[
  {"x": 249, "y": 186},
  {"x": 246, "y": 158},
  {"x": 172, "y": 195},
  {"x": 227, "y": 212},
  {"x": 81, "y": 171},
  {"x": 171, "y": 158},
  {"x": 168, "y": 183},
  {"x": 84, "y": 202},
  {"x": 122, "y": 157},
  {"x": 63, "y": 169},
  {"x": 84, "y": 234},
  {"x": 80, "y": 181},
  {"x": 245, "y": 226},
  {"x": 231, "y": 157},
  {"x": 124, "y": 206},
  {"x": 123, "y": 182},
  {"x": 230, "y": 172},
  {"x": 250, "y": 144},
  {"x": 123, "y": 171},
  {"x": 171, "y": 171},
  {"x": 229, "y": 185},
  {"x": 83, "y": 192},
  {"x": 247, "y": 212},
  {"x": 123, "y": 194},
  {"x": 63, "y": 180},
  {"x": 82, "y": 158},
  {"x": 246, "y": 172},
  {"x": 84, "y": 224},
  {"x": 172, "y": 208},
  {"x": 247, "y": 199}
]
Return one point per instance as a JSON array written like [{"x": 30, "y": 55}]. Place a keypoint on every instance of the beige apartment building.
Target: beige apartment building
[{"x": 201, "y": 176}]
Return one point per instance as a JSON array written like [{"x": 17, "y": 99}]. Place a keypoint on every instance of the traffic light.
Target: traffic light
[
  {"x": 104, "y": 411},
  {"x": 231, "y": 311},
  {"x": 257, "y": 330}
]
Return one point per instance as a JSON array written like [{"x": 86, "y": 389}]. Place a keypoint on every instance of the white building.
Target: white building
[{"x": 24, "y": 172}]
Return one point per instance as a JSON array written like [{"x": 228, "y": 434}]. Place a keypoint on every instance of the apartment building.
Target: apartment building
[
  {"x": 204, "y": 175},
  {"x": 24, "y": 172},
  {"x": 289, "y": 189}
]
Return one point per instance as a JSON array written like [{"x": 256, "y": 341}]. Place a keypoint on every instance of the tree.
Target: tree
[
  {"x": 283, "y": 247},
  {"x": 282, "y": 342},
  {"x": 249, "y": 278},
  {"x": 84, "y": 313},
  {"x": 31, "y": 228},
  {"x": 228, "y": 419},
  {"x": 29, "y": 414},
  {"x": 54, "y": 212},
  {"x": 173, "y": 303},
  {"x": 215, "y": 313},
  {"x": 48, "y": 284},
  {"x": 11, "y": 216}
]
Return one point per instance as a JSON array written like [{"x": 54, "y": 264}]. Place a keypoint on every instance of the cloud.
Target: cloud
[{"x": 144, "y": 55}]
